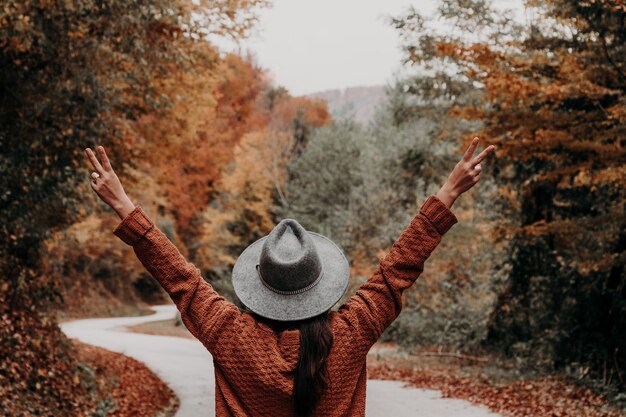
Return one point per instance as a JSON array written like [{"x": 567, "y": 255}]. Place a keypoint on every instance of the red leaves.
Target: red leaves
[
  {"x": 35, "y": 373},
  {"x": 128, "y": 384},
  {"x": 546, "y": 396},
  {"x": 41, "y": 373}
]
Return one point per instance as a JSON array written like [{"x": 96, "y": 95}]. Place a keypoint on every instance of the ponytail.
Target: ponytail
[{"x": 311, "y": 373}]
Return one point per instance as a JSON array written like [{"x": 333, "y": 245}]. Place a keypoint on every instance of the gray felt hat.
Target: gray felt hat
[{"x": 290, "y": 274}]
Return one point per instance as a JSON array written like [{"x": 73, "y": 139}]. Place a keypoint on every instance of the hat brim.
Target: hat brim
[{"x": 267, "y": 303}]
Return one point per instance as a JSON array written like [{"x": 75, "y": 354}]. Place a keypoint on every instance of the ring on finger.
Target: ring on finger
[
  {"x": 478, "y": 167},
  {"x": 95, "y": 176}
]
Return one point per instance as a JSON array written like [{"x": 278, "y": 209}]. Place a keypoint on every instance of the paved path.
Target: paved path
[{"x": 186, "y": 366}]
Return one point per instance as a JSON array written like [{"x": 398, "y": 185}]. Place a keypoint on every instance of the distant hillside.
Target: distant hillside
[{"x": 357, "y": 102}]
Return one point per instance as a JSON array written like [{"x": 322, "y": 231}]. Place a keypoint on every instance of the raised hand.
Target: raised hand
[
  {"x": 465, "y": 174},
  {"x": 107, "y": 185}
]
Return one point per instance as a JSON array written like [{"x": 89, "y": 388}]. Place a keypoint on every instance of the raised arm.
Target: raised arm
[
  {"x": 202, "y": 309},
  {"x": 379, "y": 301}
]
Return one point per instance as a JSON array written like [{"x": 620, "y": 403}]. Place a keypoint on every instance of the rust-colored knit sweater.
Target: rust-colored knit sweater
[{"x": 253, "y": 364}]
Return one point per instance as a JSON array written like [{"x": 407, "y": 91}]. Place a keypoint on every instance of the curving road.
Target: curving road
[{"x": 186, "y": 366}]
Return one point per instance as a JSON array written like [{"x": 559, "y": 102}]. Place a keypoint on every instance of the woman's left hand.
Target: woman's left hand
[
  {"x": 465, "y": 174},
  {"x": 107, "y": 185}
]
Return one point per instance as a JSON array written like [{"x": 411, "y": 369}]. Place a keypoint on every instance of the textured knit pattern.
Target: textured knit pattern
[{"x": 253, "y": 364}]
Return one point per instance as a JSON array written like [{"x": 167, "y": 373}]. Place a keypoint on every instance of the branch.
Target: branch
[
  {"x": 608, "y": 57},
  {"x": 453, "y": 355}
]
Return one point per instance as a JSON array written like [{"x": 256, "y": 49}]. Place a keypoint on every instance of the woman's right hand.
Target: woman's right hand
[
  {"x": 465, "y": 174},
  {"x": 107, "y": 185}
]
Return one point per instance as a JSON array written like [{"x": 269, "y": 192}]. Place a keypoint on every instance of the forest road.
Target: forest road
[{"x": 187, "y": 367}]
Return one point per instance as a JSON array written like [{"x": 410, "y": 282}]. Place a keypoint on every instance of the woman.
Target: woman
[{"x": 289, "y": 355}]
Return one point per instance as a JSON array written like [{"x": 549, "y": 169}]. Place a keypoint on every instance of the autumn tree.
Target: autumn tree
[
  {"x": 552, "y": 99},
  {"x": 71, "y": 75},
  {"x": 252, "y": 187},
  {"x": 186, "y": 147}
]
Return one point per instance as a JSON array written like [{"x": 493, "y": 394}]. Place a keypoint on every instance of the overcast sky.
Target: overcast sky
[{"x": 316, "y": 45}]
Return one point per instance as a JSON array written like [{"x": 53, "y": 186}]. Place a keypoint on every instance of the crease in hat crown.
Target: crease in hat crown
[
  {"x": 303, "y": 273},
  {"x": 289, "y": 262}
]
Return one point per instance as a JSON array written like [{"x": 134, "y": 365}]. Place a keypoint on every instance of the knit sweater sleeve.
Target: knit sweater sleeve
[
  {"x": 378, "y": 301},
  {"x": 203, "y": 311}
]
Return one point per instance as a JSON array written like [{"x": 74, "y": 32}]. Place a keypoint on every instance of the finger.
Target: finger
[
  {"x": 94, "y": 161},
  {"x": 471, "y": 149},
  {"x": 105, "y": 159},
  {"x": 483, "y": 154}
]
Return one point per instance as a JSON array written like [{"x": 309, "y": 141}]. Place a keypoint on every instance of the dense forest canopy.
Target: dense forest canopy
[
  {"x": 553, "y": 101},
  {"x": 74, "y": 74}
]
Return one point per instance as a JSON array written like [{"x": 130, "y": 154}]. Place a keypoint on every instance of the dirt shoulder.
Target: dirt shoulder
[{"x": 162, "y": 328}]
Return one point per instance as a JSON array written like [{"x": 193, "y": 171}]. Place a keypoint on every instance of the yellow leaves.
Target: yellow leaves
[
  {"x": 254, "y": 179},
  {"x": 509, "y": 90},
  {"x": 86, "y": 230},
  {"x": 69, "y": 5},
  {"x": 583, "y": 177},
  {"x": 483, "y": 56},
  {"x": 479, "y": 54},
  {"x": 21, "y": 23},
  {"x": 617, "y": 113},
  {"x": 259, "y": 167},
  {"x": 80, "y": 33},
  {"x": 450, "y": 49},
  {"x": 611, "y": 175},
  {"x": 247, "y": 191},
  {"x": 468, "y": 113},
  {"x": 510, "y": 195},
  {"x": 570, "y": 69},
  {"x": 542, "y": 227}
]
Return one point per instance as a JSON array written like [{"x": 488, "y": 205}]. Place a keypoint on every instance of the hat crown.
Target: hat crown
[{"x": 289, "y": 261}]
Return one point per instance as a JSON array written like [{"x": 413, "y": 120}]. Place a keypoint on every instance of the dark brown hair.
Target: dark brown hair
[{"x": 311, "y": 374}]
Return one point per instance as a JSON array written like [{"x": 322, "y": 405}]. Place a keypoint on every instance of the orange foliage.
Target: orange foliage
[
  {"x": 129, "y": 386},
  {"x": 251, "y": 188},
  {"x": 186, "y": 149},
  {"x": 84, "y": 73}
]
